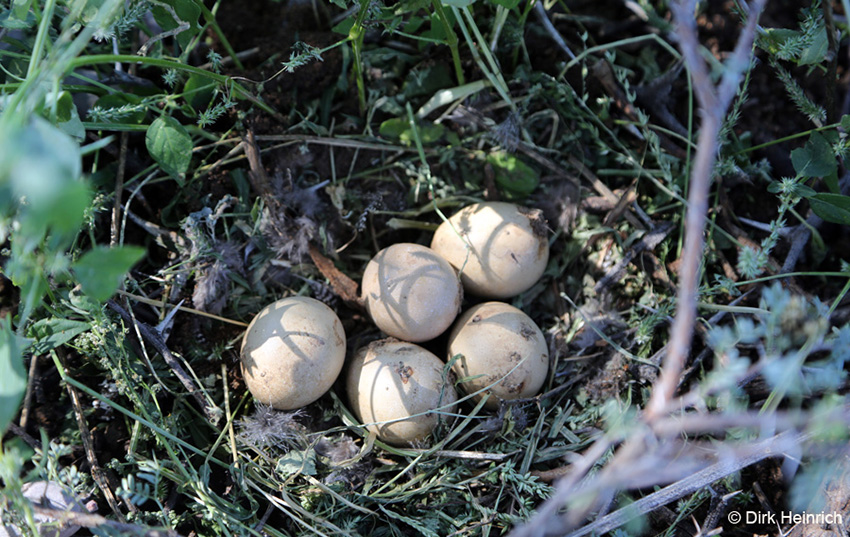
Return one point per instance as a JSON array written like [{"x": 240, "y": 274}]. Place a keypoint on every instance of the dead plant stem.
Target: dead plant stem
[
  {"x": 685, "y": 319},
  {"x": 119, "y": 191},
  {"x": 713, "y": 104},
  {"x": 771, "y": 447},
  {"x": 152, "y": 337},
  {"x": 97, "y": 472}
]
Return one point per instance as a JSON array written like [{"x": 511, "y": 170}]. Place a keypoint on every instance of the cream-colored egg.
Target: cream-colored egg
[
  {"x": 501, "y": 350},
  {"x": 508, "y": 249},
  {"x": 399, "y": 390},
  {"x": 411, "y": 292},
  {"x": 292, "y": 352}
]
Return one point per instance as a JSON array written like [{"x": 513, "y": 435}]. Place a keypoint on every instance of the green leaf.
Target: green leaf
[
  {"x": 297, "y": 462},
  {"x": 831, "y": 181},
  {"x": 170, "y": 145},
  {"x": 344, "y": 26},
  {"x": 816, "y": 52},
  {"x": 516, "y": 178},
  {"x": 815, "y": 159},
  {"x": 772, "y": 39},
  {"x": 187, "y": 11},
  {"x": 20, "y": 8},
  {"x": 508, "y": 4},
  {"x": 67, "y": 117},
  {"x": 426, "y": 81},
  {"x": 845, "y": 122},
  {"x": 51, "y": 333},
  {"x": 399, "y": 128},
  {"x": 833, "y": 208},
  {"x": 803, "y": 191},
  {"x": 101, "y": 270},
  {"x": 42, "y": 160},
  {"x": 42, "y": 165},
  {"x": 12, "y": 372},
  {"x": 458, "y": 3},
  {"x": 394, "y": 127},
  {"x": 198, "y": 91}
]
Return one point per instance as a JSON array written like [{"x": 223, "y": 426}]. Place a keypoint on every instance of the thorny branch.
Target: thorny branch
[
  {"x": 726, "y": 465},
  {"x": 644, "y": 443},
  {"x": 90, "y": 520},
  {"x": 713, "y": 104},
  {"x": 151, "y": 336}
]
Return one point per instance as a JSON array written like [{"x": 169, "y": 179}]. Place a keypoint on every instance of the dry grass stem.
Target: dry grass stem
[{"x": 713, "y": 104}]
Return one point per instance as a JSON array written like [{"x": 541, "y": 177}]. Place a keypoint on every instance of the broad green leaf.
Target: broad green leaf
[
  {"x": 51, "y": 333},
  {"x": 198, "y": 92},
  {"x": 9, "y": 22},
  {"x": 100, "y": 271},
  {"x": 509, "y": 4},
  {"x": 297, "y": 462},
  {"x": 12, "y": 373},
  {"x": 64, "y": 103},
  {"x": 412, "y": 6},
  {"x": 170, "y": 145},
  {"x": 833, "y": 208},
  {"x": 20, "y": 8},
  {"x": 426, "y": 81},
  {"x": 394, "y": 127},
  {"x": 816, "y": 52},
  {"x": 772, "y": 39},
  {"x": 845, "y": 122},
  {"x": 449, "y": 95},
  {"x": 399, "y": 128},
  {"x": 803, "y": 191},
  {"x": 42, "y": 165},
  {"x": 815, "y": 159},
  {"x": 344, "y": 26},
  {"x": 41, "y": 161},
  {"x": 458, "y": 3},
  {"x": 187, "y": 11},
  {"x": 515, "y": 177},
  {"x": 67, "y": 117},
  {"x": 831, "y": 181}
]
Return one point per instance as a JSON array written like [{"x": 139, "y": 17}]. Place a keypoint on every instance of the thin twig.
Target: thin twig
[
  {"x": 771, "y": 447},
  {"x": 182, "y": 26},
  {"x": 89, "y": 520},
  {"x": 97, "y": 472},
  {"x": 158, "y": 303},
  {"x": 256, "y": 173},
  {"x": 551, "y": 30},
  {"x": 119, "y": 191},
  {"x": 23, "y": 435},
  {"x": 31, "y": 379},
  {"x": 713, "y": 105},
  {"x": 548, "y": 513},
  {"x": 649, "y": 242},
  {"x": 227, "y": 60},
  {"x": 150, "y": 335}
]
